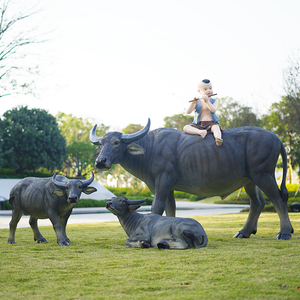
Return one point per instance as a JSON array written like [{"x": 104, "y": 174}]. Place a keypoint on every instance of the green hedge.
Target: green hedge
[{"x": 129, "y": 192}]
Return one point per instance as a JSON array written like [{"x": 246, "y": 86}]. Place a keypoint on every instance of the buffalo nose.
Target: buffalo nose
[
  {"x": 73, "y": 199},
  {"x": 103, "y": 161}
]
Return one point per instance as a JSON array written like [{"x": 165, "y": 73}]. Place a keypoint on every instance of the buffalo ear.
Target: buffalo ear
[
  {"x": 58, "y": 192},
  {"x": 88, "y": 190},
  {"x": 135, "y": 149},
  {"x": 133, "y": 207}
]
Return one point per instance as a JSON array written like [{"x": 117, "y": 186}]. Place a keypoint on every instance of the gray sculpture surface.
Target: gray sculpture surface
[
  {"x": 167, "y": 159},
  {"x": 44, "y": 198},
  {"x": 152, "y": 230}
]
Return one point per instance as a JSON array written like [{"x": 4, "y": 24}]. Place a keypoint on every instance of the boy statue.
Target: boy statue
[{"x": 205, "y": 120}]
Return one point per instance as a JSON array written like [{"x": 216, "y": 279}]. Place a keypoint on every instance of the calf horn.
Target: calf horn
[
  {"x": 128, "y": 138},
  {"x": 135, "y": 202},
  {"x": 87, "y": 182}
]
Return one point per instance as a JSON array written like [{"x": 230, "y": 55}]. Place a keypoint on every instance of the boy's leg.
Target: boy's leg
[
  {"x": 217, "y": 134},
  {"x": 192, "y": 130}
]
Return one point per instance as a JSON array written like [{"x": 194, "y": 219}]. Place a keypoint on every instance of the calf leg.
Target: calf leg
[
  {"x": 195, "y": 239},
  {"x": 268, "y": 185},
  {"x": 137, "y": 243},
  {"x": 36, "y": 233},
  {"x": 179, "y": 244},
  {"x": 257, "y": 203},
  {"x": 15, "y": 218}
]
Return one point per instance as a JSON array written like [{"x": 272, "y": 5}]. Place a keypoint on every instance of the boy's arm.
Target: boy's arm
[
  {"x": 192, "y": 107},
  {"x": 212, "y": 107}
]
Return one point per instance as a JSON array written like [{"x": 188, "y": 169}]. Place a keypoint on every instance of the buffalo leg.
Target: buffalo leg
[
  {"x": 171, "y": 205},
  {"x": 15, "y": 218},
  {"x": 63, "y": 222},
  {"x": 257, "y": 203},
  {"x": 269, "y": 186},
  {"x": 163, "y": 185},
  {"x": 36, "y": 233},
  {"x": 54, "y": 218}
]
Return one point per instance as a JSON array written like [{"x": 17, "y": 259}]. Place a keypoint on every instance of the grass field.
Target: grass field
[{"x": 97, "y": 264}]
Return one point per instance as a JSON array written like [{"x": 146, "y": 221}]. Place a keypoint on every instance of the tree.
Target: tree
[
  {"x": 234, "y": 115},
  {"x": 132, "y": 128},
  {"x": 291, "y": 77},
  {"x": 277, "y": 122},
  {"x": 16, "y": 34},
  {"x": 31, "y": 139},
  {"x": 178, "y": 121},
  {"x": 80, "y": 152}
]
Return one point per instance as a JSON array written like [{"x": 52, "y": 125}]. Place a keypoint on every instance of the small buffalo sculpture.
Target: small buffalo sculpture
[
  {"x": 168, "y": 159},
  {"x": 152, "y": 230},
  {"x": 44, "y": 198}
]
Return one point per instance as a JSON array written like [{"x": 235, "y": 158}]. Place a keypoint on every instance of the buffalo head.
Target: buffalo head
[
  {"x": 113, "y": 145},
  {"x": 73, "y": 188},
  {"x": 121, "y": 205}
]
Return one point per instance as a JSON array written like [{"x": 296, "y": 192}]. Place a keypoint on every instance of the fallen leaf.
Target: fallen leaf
[
  {"x": 298, "y": 288},
  {"x": 284, "y": 285},
  {"x": 224, "y": 275}
]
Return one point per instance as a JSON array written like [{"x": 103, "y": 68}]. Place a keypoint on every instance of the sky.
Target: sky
[{"x": 122, "y": 62}]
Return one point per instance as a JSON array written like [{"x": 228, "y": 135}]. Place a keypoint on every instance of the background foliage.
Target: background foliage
[{"x": 31, "y": 139}]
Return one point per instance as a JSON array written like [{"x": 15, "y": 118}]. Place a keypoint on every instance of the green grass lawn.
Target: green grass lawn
[{"x": 98, "y": 265}]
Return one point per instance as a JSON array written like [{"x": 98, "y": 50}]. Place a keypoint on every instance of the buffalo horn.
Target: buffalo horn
[
  {"x": 57, "y": 183},
  {"x": 93, "y": 138},
  {"x": 135, "y": 202},
  {"x": 128, "y": 138},
  {"x": 87, "y": 182}
]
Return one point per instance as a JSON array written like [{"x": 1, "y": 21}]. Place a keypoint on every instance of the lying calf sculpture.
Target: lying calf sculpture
[
  {"x": 152, "y": 230},
  {"x": 44, "y": 198}
]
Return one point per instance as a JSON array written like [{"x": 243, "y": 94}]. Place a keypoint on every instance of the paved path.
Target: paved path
[{"x": 101, "y": 214}]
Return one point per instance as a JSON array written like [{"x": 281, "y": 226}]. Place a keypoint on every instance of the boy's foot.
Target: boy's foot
[
  {"x": 219, "y": 141},
  {"x": 203, "y": 133}
]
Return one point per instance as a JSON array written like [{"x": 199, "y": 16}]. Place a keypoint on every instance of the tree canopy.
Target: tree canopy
[
  {"x": 31, "y": 139},
  {"x": 79, "y": 160}
]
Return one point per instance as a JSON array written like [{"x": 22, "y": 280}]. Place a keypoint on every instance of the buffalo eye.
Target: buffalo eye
[
  {"x": 80, "y": 186},
  {"x": 117, "y": 142}
]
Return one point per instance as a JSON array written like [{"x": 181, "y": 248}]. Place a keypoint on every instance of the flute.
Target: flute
[{"x": 196, "y": 99}]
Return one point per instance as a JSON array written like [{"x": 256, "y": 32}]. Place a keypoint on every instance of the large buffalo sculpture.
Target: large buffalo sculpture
[
  {"x": 167, "y": 159},
  {"x": 44, "y": 198}
]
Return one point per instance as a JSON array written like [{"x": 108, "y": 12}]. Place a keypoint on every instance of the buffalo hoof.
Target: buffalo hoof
[
  {"x": 283, "y": 236},
  {"x": 239, "y": 235},
  {"x": 43, "y": 240},
  {"x": 68, "y": 240},
  {"x": 11, "y": 242},
  {"x": 145, "y": 244},
  {"x": 63, "y": 243},
  {"x": 163, "y": 245}
]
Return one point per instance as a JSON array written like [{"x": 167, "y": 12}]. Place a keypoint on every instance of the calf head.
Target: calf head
[
  {"x": 119, "y": 206},
  {"x": 113, "y": 145},
  {"x": 73, "y": 188}
]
